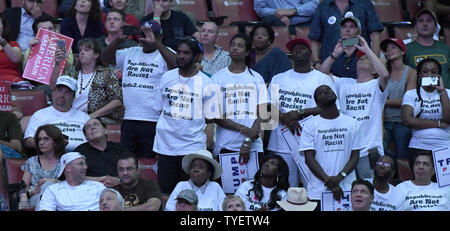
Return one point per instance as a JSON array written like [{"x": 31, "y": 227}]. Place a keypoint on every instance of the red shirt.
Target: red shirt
[{"x": 9, "y": 71}]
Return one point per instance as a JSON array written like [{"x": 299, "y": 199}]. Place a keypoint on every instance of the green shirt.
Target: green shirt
[{"x": 439, "y": 51}]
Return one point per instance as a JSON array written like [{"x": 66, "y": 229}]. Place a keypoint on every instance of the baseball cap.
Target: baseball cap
[
  {"x": 425, "y": 11},
  {"x": 354, "y": 19},
  {"x": 188, "y": 195},
  {"x": 154, "y": 25},
  {"x": 67, "y": 158},
  {"x": 67, "y": 81},
  {"x": 296, "y": 41},
  {"x": 396, "y": 41}
]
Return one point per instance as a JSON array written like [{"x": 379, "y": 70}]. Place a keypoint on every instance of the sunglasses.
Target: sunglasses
[{"x": 385, "y": 164}]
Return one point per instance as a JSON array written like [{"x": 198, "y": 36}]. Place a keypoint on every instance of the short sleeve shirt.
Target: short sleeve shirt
[
  {"x": 33, "y": 166},
  {"x": 140, "y": 194}
]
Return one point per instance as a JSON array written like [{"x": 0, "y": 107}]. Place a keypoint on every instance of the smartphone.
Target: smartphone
[
  {"x": 61, "y": 44},
  {"x": 130, "y": 30},
  {"x": 350, "y": 42},
  {"x": 430, "y": 81}
]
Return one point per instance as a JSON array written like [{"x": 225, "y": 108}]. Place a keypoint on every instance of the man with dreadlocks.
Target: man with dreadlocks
[{"x": 426, "y": 110}]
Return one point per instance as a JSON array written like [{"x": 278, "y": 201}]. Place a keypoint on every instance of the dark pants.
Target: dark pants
[
  {"x": 170, "y": 172},
  {"x": 138, "y": 137}
]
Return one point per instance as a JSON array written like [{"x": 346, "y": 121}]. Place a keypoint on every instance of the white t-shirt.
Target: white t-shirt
[
  {"x": 390, "y": 201},
  {"x": 424, "y": 198},
  {"x": 81, "y": 100},
  {"x": 251, "y": 202},
  {"x": 365, "y": 103},
  {"x": 70, "y": 123},
  {"x": 430, "y": 138},
  {"x": 333, "y": 140},
  {"x": 63, "y": 197},
  {"x": 210, "y": 196},
  {"x": 185, "y": 103},
  {"x": 291, "y": 91},
  {"x": 240, "y": 94},
  {"x": 140, "y": 81}
]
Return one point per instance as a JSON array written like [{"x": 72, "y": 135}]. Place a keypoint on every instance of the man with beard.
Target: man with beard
[
  {"x": 184, "y": 105},
  {"x": 387, "y": 196},
  {"x": 331, "y": 142},
  {"x": 75, "y": 193},
  {"x": 142, "y": 69},
  {"x": 291, "y": 93}
]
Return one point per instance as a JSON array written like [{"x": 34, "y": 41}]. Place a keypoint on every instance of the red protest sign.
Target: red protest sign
[
  {"x": 5, "y": 96},
  {"x": 42, "y": 56}
]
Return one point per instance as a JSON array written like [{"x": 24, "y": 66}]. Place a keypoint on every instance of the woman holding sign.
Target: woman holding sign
[
  {"x": 426, "y": 109},
  {"x": 10, "y": 55},
  {"x": 98, "y": 92},
  {"x": 243, "y": 91}
]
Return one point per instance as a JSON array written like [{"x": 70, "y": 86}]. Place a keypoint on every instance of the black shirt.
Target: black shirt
[{"x": 101, "y": 163}]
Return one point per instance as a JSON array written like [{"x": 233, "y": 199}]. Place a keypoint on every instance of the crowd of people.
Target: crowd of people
[{"x": 359, "y": 108}]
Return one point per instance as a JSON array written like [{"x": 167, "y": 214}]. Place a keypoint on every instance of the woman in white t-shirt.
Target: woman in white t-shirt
[
  {"x": 426, "y": 110},
  {"x": 269, "y": 185},
  {"x": 243, "y": 91},
  {"x": 421, "y": 194},
  {"x": 202, "y": 170}
]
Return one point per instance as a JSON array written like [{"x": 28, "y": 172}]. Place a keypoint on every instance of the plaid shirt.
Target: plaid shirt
[{"x": 220, "y": 60}]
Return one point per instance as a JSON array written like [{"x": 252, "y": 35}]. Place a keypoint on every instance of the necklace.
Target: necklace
[
  {"x": 89, "y": 82},
  {"x": 185, "y": 82}
]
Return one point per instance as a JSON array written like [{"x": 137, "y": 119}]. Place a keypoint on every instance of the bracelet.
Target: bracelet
[
  {"x": 331, "y": 55},
  {"x": 3, "y": 42},
  {"x": 157, "y": 18}
]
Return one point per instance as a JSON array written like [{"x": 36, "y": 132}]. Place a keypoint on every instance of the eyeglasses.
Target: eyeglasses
[
  {"x": 128, "y": 169},
  {"x": 385, "y": 164}
]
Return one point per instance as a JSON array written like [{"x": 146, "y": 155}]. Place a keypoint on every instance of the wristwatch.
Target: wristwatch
[
  {"x": 343, "y": 174},
  {"x": 247, "y": 140},
  {"x": 3, "y": 42}
]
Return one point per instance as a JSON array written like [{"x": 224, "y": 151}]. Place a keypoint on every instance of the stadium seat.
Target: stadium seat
[
  {"x": 405, "y": 32},
  {"x": 17, "y": 3},
  {"x": 389, "y": 10},
  {"x": 29, "y": 101},
  {"x": 113, "y": 132},
  {"x": 446, "y": 35},
  {"x": 14, "y": 169},
  {"x": 2, "y": 5},
  {"x": 235, "y": 10},
  {"x": 50, "y": 7},
  {"x": 146, "y": 167},
  {"x": 281, "y": 36},
  {"x": 302, "y": 32},
  {"x": 412, "y": 7},
  {"x": 224, "y": 36},
  {"x": 384, "y": 34},
  {"x": 198, "y": 7}
]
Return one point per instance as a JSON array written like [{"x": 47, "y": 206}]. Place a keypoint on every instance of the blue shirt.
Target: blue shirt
[
  {"x": 345, "y": 66},
  {"x": 275, "y": 62},
  {"x": 305, "y": 8},
  {"x": 326, "y": 23}
]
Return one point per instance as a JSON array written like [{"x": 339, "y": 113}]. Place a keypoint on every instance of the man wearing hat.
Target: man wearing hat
[
  {"x": 142, "y": 67},
  {"x": 326, "y": 25},
  {"x": 291, "y": 93},
  {"x": 61, "y": 114},
  {"x": 202, "y": 169},
  {"x": 426, "y": 47},
  {"x": 364, "y": 99},
  {"x": 187, "y": 200},
  {"x": 74, "y": 193}
]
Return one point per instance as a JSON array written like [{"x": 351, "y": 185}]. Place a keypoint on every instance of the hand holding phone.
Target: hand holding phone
[
  {"x": 350, "y": 42},
  {"x": 430, "y": 81}
]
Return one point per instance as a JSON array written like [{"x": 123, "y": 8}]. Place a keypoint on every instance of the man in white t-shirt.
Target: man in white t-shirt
[
  {"x": 61, "y": 114},
  {"x": 331, "y": 142},
  {"x": 291, "y": 93},
  {"x": 142, "y": 67},
  {"x": 74, "y": 193},
  {"x": 184, "y": 98},
  {"x": 387, "y": 197},
  {"x": 363, "y": 99}
]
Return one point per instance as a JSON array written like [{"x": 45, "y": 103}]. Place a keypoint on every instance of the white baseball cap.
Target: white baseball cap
[
  {"x": 67, "y": 81},
  {"x": 67, "y": 158}
]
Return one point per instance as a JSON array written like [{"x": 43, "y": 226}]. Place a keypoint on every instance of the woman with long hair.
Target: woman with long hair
[
  {"x": 269, "y": 185},
  {"x": 401, "y": 79},
  {"x": 426, "y": 109},
  {"x": 242, "y": 91},
  {"x": 83, "y": 21},
  {"x": 98, "y": 92},
  {"x": 44, "y": 167},
  {"x": 10, "y": 55}
]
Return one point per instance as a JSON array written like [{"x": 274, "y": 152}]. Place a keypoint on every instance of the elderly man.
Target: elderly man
[
  {"x": 75, "y": 193},
  {"x": 61, "y": 114},
  {"x": 101, "y": 155},
  {"x": 111, "y": 200}
]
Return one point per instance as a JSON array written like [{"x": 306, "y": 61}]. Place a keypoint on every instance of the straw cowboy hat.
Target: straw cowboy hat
[
  {"x": 204, "y": 155},
  {"x": 297, "y": 200}
]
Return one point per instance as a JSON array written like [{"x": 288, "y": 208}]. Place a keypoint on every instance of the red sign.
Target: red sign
[
  {"x": 5, "y": 96},
  {"x": 42, "y": 56}
]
